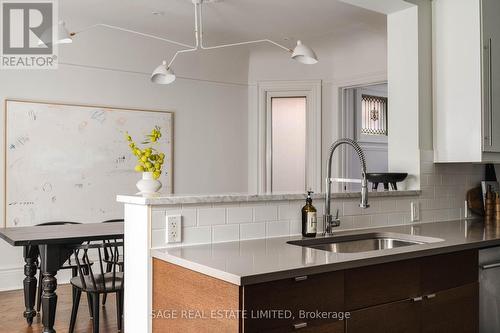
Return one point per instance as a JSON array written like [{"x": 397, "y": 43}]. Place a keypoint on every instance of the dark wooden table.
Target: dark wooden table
[{"x": 50, "y": 244}]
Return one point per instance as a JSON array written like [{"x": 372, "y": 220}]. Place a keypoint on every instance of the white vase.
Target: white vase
[{"x": 148, "y": 185}]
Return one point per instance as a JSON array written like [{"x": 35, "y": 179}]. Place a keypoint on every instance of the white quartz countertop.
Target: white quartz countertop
[
  {"x": 175, "y": 199},
  {"x": 262, "y": 260}
]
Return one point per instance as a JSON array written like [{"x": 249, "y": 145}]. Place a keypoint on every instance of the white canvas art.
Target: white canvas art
[{"x": 68, "y": 162}]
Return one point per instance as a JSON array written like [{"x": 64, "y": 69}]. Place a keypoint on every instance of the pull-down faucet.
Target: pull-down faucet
[{"x": 328, "y": 221}]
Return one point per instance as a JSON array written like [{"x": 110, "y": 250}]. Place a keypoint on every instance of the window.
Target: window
[
  {"x": 288, "y": 144},
  {"x": 374, "y": 115}
]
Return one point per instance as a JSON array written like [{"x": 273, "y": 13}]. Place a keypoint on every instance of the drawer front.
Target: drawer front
[
  {"x": 455, "y": 310},
  {"x": 334, "y": 327},
  {"x": 397, "y": 317},
  {"x": 379, "y": 284},
  {"x": 446, "y": 271},
  {"x": 292, "y": 298}
]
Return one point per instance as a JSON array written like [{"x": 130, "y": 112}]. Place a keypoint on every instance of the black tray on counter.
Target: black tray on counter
[{"x": 386, "y": 178}]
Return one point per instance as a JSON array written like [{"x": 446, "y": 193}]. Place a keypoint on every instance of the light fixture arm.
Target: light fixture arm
[
  {"x": 102, "y": 25},
  {"x": 199, "y": 7}
]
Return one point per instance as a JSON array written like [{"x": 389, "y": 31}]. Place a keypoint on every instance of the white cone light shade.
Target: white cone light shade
[
  {"x": 62, "y": 35},
  {"x": 163, "y": 75},
  {"x": 304, "y": 54}
]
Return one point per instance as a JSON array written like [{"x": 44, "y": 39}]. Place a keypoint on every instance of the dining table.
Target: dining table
[{"x": 48, "y": 247}]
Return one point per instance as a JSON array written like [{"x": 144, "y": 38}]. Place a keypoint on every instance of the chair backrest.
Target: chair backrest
[
  {"x": 96, "y": 277},
  {"x": 56, "y": 223},
  {"x": 107, "y": 253}
]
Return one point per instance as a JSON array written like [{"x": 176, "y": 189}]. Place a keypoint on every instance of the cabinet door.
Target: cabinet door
[
  {"x": 284, "y": 305},
  {"x": 455, "y": 310},
  {"x": 380, "y": 284},
  {"x": 397, "y": 317},
  {"x": 491, "y": 74}
]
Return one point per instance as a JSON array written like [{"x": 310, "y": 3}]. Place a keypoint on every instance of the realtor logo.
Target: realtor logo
[{"x": 28, "y": 34}]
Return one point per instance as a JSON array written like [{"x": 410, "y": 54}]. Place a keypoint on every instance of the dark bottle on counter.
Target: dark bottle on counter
[{"x": 309, "y": 218}]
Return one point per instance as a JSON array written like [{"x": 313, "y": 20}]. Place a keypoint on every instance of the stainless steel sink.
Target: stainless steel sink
[{"x": 364, "y": 242}]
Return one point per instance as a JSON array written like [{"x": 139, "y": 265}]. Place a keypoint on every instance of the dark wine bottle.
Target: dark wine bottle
[{"x": 309, "y": 218}]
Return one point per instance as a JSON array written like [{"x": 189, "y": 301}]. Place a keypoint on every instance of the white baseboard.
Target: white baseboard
[{"x": 11, "y": 278}]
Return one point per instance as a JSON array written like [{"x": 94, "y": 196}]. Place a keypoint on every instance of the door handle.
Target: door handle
[
  {"x": 430, "y": 296},
  {"x": 417, "y": 299},
  {"x": 490, "y": 266},
  {"x": 300, "y": 278},
  {"x": 298, "y": 326}
]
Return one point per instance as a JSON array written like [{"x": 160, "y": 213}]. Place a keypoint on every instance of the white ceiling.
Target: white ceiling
[{"x": 225, "y": 20}]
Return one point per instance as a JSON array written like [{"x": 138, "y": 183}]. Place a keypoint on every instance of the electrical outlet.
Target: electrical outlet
[
  {"x": 415, "y": 211},
  {"x": 174, "y": 228}
]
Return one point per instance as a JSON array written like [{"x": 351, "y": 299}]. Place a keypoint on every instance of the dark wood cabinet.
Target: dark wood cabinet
[
  {"x": 454, "y": 310},
  {"x": 436, "y": 294},
  {"x": 297, "y": 296},
  {"x": 446, "y": 271},
  {"x": 379, "y": 284},
  {"x": 432, "y": 294},
  {"x": 395, "y": 317}
]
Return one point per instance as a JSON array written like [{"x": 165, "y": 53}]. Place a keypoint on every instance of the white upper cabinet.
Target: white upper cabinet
[{"x": 466, "y": 82}]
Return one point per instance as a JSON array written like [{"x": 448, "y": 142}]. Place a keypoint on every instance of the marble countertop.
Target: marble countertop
[
  {"x": 175, "y": 199},
  {"x": 262, "y": 260}
]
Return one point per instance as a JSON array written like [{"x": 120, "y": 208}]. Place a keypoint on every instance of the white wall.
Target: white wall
[
  {"x": 403, "y": 90},
  {"x": 210, "y": 105},
  {"x": 346, "y": 58}
]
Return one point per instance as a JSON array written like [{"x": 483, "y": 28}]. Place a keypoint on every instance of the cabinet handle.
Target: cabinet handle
[
  {"x": 417, "y": 299},
  {"x": 430, "y": 296},
  {"x": 490, "y": 94},
  {"x": 490, "y": 266},
  {"x": 300, "y": 278},
  {"x": 298, "y": 326}
]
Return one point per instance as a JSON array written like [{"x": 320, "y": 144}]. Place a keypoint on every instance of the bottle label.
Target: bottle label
[{"x": 311, "y": 222}]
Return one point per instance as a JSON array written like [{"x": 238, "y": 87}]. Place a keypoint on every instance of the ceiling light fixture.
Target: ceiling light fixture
[
  {"x": 302, "y": 53},
  {"x": 63, "y": 36},
  {"x": 163, "y": 74}
]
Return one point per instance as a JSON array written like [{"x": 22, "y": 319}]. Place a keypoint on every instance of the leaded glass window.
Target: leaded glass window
[{"x": 374, "y": 115}]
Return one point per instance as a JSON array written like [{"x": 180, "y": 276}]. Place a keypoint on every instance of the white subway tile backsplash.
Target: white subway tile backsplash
[
  {"x": 379, "y": 220},
  {"x": 397, "y": 218},
  {"x": 265, "y": 213},
  {"x": 290, "y": 211},
  {"x": 427, "y": 168},
  {"x": 225, "y": 233},
  {"x": 443, "y": 189},
  {"x": 363, "y": 221},
  {"x": 351, "y": 208},
  {"x": 188, "y": 217},
  {"x": 296, "y": 226},
  {"x": 158, "y": 238},
  {"x": 196, "y": 235},
  {"x": 388, "y": 205},
  {"x": 211, "y": 216},
  {"x": 277, "y": 228},
  {"x": 373, "y": 209},
  {"x": 403, "y": 205},
  {"x": 253, "y": 230},
  {"x": 239, "y": 215},
  {"x": 158, "y": 219},
  {"x": 427, "y": 192}
]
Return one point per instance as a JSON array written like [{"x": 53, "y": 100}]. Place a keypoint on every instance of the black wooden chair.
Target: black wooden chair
[
  {"x": 97, "y": 283},
  {"x": 70, "y": 264},
  {"x": 109, "y": 260}
]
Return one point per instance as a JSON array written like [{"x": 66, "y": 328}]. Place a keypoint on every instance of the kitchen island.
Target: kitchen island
[{"x": 270, "y": 285}]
